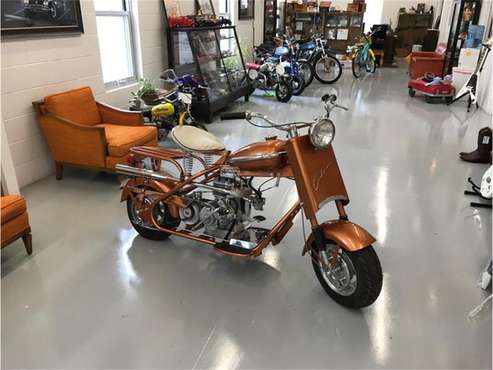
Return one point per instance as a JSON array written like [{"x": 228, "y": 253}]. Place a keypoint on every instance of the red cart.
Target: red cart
[{"x": 433, "y": 93}]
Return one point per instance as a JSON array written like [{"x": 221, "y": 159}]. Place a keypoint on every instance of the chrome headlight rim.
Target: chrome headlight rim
[
  {"x": 317, "y": 139},
  {"x": 252, "y": 74}
]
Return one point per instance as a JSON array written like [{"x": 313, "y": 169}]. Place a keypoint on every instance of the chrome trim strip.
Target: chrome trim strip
[{"x": 255, "y": 157}]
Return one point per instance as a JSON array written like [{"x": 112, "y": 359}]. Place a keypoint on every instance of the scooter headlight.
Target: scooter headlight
[
  {"x": 252, "y": 74},
  {"x": 322, "y": 133},
  {"x": 280, "y": 69}
]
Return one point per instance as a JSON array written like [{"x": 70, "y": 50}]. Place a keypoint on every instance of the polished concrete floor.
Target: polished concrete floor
[{"x": 96, "y": 295}]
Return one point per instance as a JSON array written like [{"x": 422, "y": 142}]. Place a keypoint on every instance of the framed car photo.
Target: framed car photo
[
  {"x": 40, "y": 16},
  {"x": 246, "y": 9}
]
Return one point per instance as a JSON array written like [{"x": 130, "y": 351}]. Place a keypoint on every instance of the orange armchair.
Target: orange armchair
[
  {"x": 422, "y": 62},
  {"x": 15, "y": 221},
  {"x": 84, "y": 133}
]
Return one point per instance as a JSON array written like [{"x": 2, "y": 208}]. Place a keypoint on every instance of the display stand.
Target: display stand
[{"x": 213, "y": 56}]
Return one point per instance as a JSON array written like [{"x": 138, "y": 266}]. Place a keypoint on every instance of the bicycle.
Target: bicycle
[{"x": 363, "y": 56}]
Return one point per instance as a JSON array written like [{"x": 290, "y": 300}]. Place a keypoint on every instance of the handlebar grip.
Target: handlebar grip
[{"x": 234, "y": 115}]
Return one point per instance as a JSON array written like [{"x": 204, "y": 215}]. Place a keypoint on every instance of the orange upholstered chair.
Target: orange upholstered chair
[
  {"x": 85, "y": 133},
  {"x": 15, "y": 222}
]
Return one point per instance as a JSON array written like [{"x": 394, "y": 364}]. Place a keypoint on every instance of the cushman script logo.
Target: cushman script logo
[{"x": 318, "y": 179}]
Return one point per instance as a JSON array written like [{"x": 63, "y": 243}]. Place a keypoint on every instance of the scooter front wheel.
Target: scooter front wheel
[
  {"x": 352, "y": 279},
  {"x": 298, "y": 85},
  {"x": 327, "y": 69},
  {"x": 284, "y": 91},
  {"x": 356, "y": 65},
  {"x": 161, "y": 214}
]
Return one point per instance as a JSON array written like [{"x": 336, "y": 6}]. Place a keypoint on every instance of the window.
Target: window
[
  {"x": 223, "y": 7},
  {"x": 116, "y": 42}
]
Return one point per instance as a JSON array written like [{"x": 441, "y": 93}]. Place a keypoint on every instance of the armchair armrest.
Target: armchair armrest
[
  {"x": 72, "y": 143},
  {"x": 119, "y": 116}
]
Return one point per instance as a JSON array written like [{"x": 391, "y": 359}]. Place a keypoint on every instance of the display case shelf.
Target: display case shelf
[{"x": 212, "y": 55}]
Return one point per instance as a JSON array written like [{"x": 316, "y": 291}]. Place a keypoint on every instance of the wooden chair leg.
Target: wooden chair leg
[
  {"x": 58, "y": 170},
  {"x": 28, "y": 242}
]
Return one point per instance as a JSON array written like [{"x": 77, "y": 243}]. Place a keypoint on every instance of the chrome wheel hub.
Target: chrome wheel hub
[
  {"x": 159, "y": 213},
  {"x": 338, "y": 270}
]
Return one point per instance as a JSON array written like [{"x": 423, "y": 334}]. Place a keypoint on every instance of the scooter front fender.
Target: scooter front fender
[{"x": 349, "y": 236}]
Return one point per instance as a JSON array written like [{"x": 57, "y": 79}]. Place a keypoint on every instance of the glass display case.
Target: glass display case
[
  {"x": 270, "y": 20},
  {"x": 213, "y": 56}
]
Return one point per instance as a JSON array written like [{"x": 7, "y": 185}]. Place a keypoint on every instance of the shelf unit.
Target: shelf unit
[
  {"x": 411, "y": 29},
  {"x": 342, "y": 29}
]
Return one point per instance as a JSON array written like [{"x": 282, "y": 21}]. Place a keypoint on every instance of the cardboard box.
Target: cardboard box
[
  {"x": 468, "y": 58},
  {"x": 460, "y": 75}
]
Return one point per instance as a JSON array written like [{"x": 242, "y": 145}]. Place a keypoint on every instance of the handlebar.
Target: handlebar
[
  {"x": 329, "y": 101},
  {"x": 233, "y": 115}
]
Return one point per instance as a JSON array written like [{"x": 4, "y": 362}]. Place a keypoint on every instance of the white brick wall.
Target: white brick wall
[{"x": 34, "y": 67}]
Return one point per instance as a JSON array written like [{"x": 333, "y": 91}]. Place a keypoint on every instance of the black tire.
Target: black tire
[
  {"x": 284, "y": 91},
  {"x": 53, "y": 11},
  {"x": 298, "y": 85},
  {"x": 307, "y": 71},
  {"x": 371, "y": 65},
  {"x": 333, "y": 62},
  {"x": 148, "y": 231},
  {"x": 356, "y": 66},
  {"x": 412, "y": 92},
  {"x": 369, "y": 278}
]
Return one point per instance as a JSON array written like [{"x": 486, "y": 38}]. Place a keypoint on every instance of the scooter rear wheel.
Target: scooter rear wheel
[
  {"x": 355, "y": 279},
  {"x": 161, "y": 214}
]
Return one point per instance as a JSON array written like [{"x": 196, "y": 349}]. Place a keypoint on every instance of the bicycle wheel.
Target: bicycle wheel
[
  {"x": 356, "y": 65},
  {"x": 371, "y": 65},
  {"x": 328, "y": 69}
]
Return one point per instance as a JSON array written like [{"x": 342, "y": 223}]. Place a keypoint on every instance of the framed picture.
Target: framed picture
[
  {"x": 40, "y": 16},
  {"x": 246, "y": 9}
]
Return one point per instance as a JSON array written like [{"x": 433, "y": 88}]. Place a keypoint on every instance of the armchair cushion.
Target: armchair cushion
[
  {"x": 121, "y": 138},
  {"x": 77, "y": 105},
  {"x": 11, "y": 207}
]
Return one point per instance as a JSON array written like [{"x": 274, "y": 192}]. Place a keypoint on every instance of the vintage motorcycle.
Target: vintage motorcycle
[
  {"x": 283, "y": 51},
  {"x": 327, "y": 68},
  {"x": 271, "y": 76},
  {"x": 214, "y": 205}
]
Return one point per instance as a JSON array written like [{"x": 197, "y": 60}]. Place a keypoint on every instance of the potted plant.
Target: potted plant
[{"x": 147, "y": 92}]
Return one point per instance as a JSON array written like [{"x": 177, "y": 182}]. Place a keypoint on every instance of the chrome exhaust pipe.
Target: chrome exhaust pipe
[{"x": 142, "y": 172}]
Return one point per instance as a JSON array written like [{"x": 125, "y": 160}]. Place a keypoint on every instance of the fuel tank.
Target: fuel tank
[{"x": 268, "y": 155}]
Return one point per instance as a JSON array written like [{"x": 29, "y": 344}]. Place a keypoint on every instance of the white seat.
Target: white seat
[{"x": 194, "y": 139}]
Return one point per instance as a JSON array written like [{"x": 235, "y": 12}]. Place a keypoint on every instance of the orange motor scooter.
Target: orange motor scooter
[{"x": 214, "y": 204}]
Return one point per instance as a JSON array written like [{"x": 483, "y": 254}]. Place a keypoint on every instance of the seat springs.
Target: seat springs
[
  {"x": 208, "y": 159},
  {"x": 188, "y": 164}
]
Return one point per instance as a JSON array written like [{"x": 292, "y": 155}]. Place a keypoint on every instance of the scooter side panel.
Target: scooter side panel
[{"x": 316, "y": 173}]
